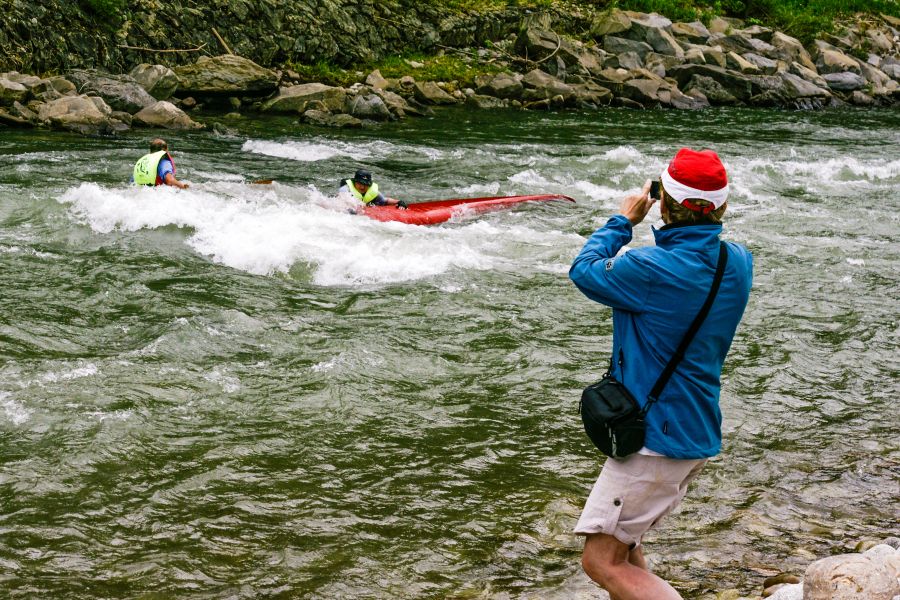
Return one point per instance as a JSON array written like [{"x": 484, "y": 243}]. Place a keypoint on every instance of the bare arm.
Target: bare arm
[{"x": 170, "y": 180}]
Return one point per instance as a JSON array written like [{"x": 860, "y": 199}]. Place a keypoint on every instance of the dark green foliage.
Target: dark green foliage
[{"x": 110, "y": 9}]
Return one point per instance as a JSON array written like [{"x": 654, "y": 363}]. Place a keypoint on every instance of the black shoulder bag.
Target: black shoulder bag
[{"x": 612, "y": 418}]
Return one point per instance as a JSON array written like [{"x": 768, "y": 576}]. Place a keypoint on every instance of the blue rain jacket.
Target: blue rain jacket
[{"x": 655, "y": 293}]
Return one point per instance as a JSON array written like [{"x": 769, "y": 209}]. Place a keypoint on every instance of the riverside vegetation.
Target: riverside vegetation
[{"x": 550, "y": 56}]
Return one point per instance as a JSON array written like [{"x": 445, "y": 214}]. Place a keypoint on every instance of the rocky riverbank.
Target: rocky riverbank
[{"x": 632, "y": 60}]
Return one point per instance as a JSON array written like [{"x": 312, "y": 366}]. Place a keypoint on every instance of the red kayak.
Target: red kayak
[{"x": 439, "y": 211}]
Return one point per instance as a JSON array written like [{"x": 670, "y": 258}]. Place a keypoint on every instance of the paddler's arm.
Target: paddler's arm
[{"x": 170, "y": 180}]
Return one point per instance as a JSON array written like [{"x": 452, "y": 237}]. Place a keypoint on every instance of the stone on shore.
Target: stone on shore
[
  {"x": 694, "y": 32},
  {"x": 159, "y": 81},
  {"x": 789, "y": 591},
  {"x": 166, "y": 115},
  {"x": 296, "y": 99},
  {"x": 368, "y": 106},
  {"x": 120, "y": 92},
  {"x": 11, "y": 92},
  {"x": 375, "y": 80},
  {"x": 481, "y": 101},
  {"x": 790, "y": 49},
  {"x": 844, "y": 82},
  {"x": 82, "y": 114},
  {"x": 849, "y": 577},
  {"x": 542, "y": 86},
  {"x": 610, "y": 22},
  {"x": 429, "y": 92},
  {"x": 501, "y": 85},
  {"x": 618, "y": 45},
  {"x": 654, "y": 30},
  {"x": 225, "y": 75}
]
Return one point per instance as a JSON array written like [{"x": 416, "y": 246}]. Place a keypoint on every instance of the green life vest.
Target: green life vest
[
  {"x": 371, "y": 193},
  {"x": 145, "y": 169}
]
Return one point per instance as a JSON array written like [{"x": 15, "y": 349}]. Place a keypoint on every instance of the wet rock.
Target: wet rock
[
  {"x": 368, "y": 106},
  {"x": 428, "y": 92},
  {"x": 485, "y": 102},
  {"x": 618, "y": 45},
  {"x": 849, "y": 577},
  {"x": 297, "y": 98},
  {"x": 610, "y": 22},
  {"x": 159, "y": 81},
  {"x": 121, "y": 115},
  {"x": 627, "y": 103},
  {"x": 225, "y": 75},
  {"x": 345, "y": 121},
  {"x": 845, "y": 82},
  {"x": 121, "y": 92},
  {"x": 397, "y": 104},
  {"x": 11, "y": 92},
  {"x": 797, "y": 87},
  {"x": 695, "y": 32},
  {"x": 711, "y": 89},
  {"x": 166, "y": 115},
  {"x": 591, "y": 95}
]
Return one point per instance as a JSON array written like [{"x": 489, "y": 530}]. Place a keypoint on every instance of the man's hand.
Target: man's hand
[
  {"x": 402, "y": 205},
  {"x": 636, "y": 207}
]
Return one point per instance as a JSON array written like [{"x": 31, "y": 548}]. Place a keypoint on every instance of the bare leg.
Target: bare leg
[{"x": 622, "y": 572}]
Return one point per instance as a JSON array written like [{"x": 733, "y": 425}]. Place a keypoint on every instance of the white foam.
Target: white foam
[
  {"x": 14, "y": 411},
  {"x": 488, "y": 189},
  {"x": 301, "y": 151},
  {"x": 87, "y": 370},
  {"x": 269, "y": 229}
]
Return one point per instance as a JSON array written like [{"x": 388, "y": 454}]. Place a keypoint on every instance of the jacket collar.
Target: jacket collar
[{"x": 691, "y": 235}]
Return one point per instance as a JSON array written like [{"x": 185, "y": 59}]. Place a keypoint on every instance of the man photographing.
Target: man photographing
[{"x": 655, "y": 292}]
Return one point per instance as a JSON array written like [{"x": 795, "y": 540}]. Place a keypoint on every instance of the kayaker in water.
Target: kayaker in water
[
  {"x": 363, "y": 189},
  {"x": 157, "y": 167}
]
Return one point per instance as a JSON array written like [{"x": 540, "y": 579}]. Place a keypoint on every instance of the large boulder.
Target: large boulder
[
  {"x": 482, "y": 101},
  {"x": 591, "y": 94},
  {"x": 159, "y": 81},
  {"x": 808, "y": 75},
  {"x": 618, "y": 45},
  {"x": 225, "y": 75},
  {"x": 849, "y": 577},
  {"x": 540, "y": 86},
  {"x": 655, "y": 31},
  {"x": 11, "y": 92},
  {"x": 297, "y": 98},
  {"x": 501, "y": 85},
  {"x": 429, "y": 92},
  {"x": 83, "y": 114},
  {"x": 790, "y": 49},
  {"x": 834, "y": 61},
  {"x": 120, "y": 92},
  {"x": 368, "y": 106},
  {"x": 376, "y": 81},
  {"x": 695, "y": 32},
  {"x": 397, "y": 104},
  {"x": 737, "y": 43},
  {"x": 166, "y": 115},
  {"x": 710, "y": 89},
  {"x": 610, "y": 22},
  {"x": 739, "y": 63},
  {"x": 736, "y": 84},
  {"x": 765, "y": 65},
  {"x": 844, "y": 82}
]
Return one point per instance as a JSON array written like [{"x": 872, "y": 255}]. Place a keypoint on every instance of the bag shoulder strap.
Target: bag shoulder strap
[{"x": 666, "y": 374}]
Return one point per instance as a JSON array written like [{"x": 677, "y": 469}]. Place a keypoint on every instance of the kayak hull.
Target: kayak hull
[{"x": 441, "y": 211}]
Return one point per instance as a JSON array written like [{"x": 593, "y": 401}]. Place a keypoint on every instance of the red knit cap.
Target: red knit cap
[{"x": 696, "y": 175}]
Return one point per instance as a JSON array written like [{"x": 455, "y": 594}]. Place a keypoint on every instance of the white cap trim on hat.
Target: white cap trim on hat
[{"x": 682, "y": 192}]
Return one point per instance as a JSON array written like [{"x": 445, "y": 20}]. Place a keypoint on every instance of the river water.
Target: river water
[{"x": 243, "y": 391}]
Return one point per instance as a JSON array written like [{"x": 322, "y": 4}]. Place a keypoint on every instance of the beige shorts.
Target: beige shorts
[{"x": 633, "y": 494}]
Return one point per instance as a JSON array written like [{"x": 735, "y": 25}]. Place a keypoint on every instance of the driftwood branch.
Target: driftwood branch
[
  {"x": 222, "y": 41},
  {"x": 197, "y": 49},
  {"x": 552, "y": 54}
]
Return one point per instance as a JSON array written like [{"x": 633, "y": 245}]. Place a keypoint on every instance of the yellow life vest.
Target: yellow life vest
[
  {"x": 371, "y": 193},
  {"x": 145, "y": 169}
]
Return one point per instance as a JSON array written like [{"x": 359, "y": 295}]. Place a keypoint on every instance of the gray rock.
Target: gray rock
[
  {"x": 642, "y": 91},
  {"x": 739, "y": 63},
  {"x": 481, "y": 101},
  {"x": 695, "y": 32},
  {"x": 225, "y": 75},
  {"x": 368, "y": 106},
  {"x": 844, "y": 82},
  {"x": 849, "y": 577},
  {"x": 501, "y": 85},
  {"x": 81, "y": 114},
  {"x": 297, "y": 98},
  {"x": 121, "y": 92},
  {"x": 345, "y": 121},
  {"x": 893, "y": 542},
  {"x": 540, "y": 85},
  {"x": 429, "y": 92},
  {"x": 712, "y": 90},
  {"x": 591, "y": 94},
  {"x": 376, "y": 81},
  {"x": 737, "y": 43},
  {"x": 737, "y": 85},
  {"x": 715, "y": 56},
  {"x": 759, "y": 32},
  {"x": 397, "y": 104},
  {"x": 166, "y": 115},
  {"x": 808, "y": 75},
  {"x": 765, "y": 65},
  {"x": 11, "y": 92},
  {"x": 835, "y": 61},
  {"x": 797, "y": 87},
  {"x": 618, "y": 45},
  {"x": 655, "y": 31},
  {"x": 892, "y": 70},
  {"x": 695, "y": 56},
  {"x": 623, "y": 60},
  {"x": 887, "y": 556},
  {"x": 788, "y": 592},
  {"x": 610, "y": 22},
  {"x": 790, "y": 49},
  {"x": 159, "y": 81},
  {"x": 29, "y": 81}
]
